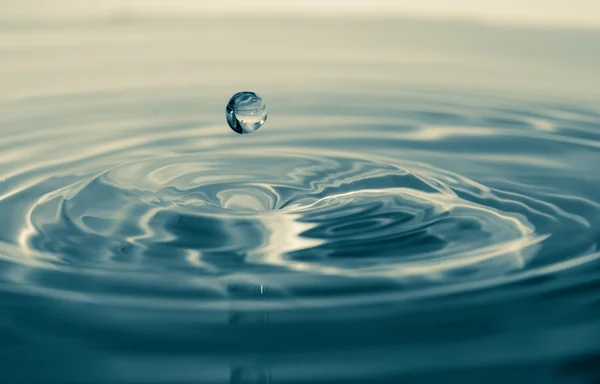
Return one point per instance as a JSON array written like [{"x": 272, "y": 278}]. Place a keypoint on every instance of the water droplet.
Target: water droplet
[{"x": 246, "y": 112}]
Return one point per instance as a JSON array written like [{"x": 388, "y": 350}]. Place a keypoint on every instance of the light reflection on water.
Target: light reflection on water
[{"x": 423, "y": 204}]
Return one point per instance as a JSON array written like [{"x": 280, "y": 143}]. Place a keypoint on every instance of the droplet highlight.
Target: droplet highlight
[{"x": 246, "y": 112}]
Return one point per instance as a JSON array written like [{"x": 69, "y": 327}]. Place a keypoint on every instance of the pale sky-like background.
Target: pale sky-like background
[{"x": 571, "y": 13}]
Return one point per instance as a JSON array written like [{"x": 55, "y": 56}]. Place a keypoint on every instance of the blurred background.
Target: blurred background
[
  {"x": 533, "y": 46},
  {"x": 576, "y": 13}
]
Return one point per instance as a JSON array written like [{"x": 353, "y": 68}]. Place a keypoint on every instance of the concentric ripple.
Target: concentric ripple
[
  {"x": 306, "y": 218},
  {"x": 278, "y": 214}
]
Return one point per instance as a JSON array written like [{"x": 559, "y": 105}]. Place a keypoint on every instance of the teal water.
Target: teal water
[{"x": 422, "y": 206}]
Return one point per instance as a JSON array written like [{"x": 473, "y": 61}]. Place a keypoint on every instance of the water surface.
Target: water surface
[{"x": 422, "y": 206}]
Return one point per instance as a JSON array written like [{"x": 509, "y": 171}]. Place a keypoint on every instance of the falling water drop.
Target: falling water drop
[{"x": 246, "y": 112}]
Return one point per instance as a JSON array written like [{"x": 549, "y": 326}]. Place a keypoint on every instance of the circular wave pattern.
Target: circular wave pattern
[
  {"x": 371, "y": 216},
  {"x": 292, "y": 219},
  {"x": 320, "y": 215}
]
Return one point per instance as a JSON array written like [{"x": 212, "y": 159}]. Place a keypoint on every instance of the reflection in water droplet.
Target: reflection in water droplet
[{"x": 246, "y": 112}]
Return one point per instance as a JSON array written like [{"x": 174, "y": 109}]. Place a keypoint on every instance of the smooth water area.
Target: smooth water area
[{"x": 423, "y": 206}]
